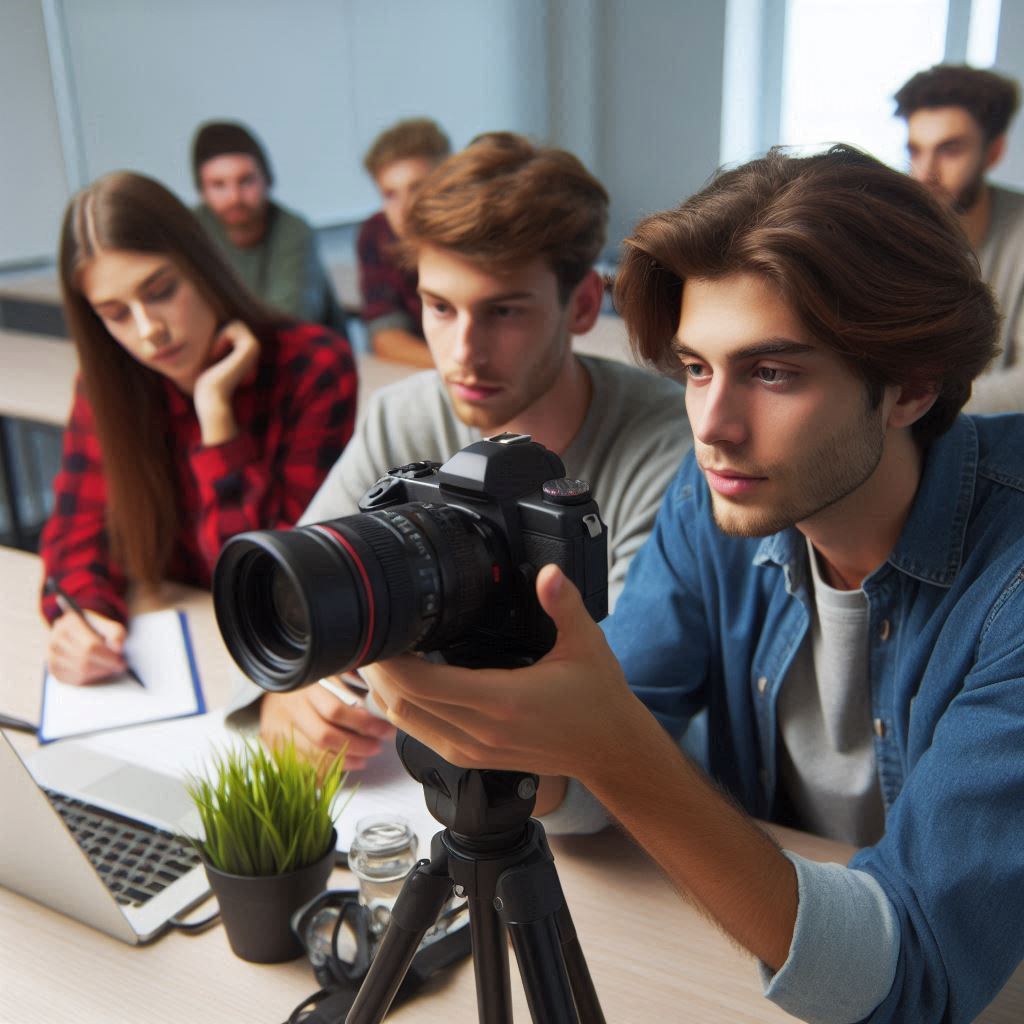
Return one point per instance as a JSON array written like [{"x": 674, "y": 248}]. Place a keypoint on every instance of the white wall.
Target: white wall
[
  {"x": 33, "y": 188},
  {"x": 661, "y": 103},
  {"x": 632, "y": 88},
  {"x": 1010, "y": 61},
  {"x": 316, "y": 79}
]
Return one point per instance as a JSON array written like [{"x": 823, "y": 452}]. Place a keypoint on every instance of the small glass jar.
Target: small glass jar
[{"x": 383, "y": 851}]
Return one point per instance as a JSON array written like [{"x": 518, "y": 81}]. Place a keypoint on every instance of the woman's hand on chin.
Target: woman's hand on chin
[{"x": 233, "y": 358}]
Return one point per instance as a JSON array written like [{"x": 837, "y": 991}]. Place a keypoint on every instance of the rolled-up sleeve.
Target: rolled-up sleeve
[
  {"x": 842, "y": 961},
  {"x": 579, "y": 813}
]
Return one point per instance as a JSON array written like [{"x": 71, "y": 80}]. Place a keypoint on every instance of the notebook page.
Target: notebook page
[{"x": 159, "y": 650}]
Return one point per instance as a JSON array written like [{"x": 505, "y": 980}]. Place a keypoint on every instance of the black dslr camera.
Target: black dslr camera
[{"x": 442, "y": 559}]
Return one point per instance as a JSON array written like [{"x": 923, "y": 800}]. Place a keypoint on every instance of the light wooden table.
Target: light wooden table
[
  {"x": 652, "y": 957},
  {"x": 606, "y": 338},
  {"x": 31, "y": 300},
  {"x": 41, "y": 286},
  {"x": 37, "y": 376},
  {"x": 37, "y": 372}
]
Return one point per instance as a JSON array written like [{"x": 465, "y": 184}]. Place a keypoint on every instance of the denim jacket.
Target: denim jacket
[{"x": 708, "y": 620}]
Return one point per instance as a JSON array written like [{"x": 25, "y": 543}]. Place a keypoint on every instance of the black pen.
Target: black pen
[
  {"x": 9, "y": 722},
  {"x": 69, "y": 604}
]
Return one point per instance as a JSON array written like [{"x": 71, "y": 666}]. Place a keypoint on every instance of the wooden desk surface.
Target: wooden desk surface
[
  {"x": 37, "y": 379},
  {"x": 607, "y": 337},
  {"x": 43, "y": 286},
  {"x": 37, "y": 376},
  {"x": 652, "y": 956},
  {"x": 37, "y": 373}
]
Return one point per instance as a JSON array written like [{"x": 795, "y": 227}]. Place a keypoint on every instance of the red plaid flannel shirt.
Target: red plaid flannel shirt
[
  {"x": 294, "y": 420},
  {"x": 388, "y": 290}
]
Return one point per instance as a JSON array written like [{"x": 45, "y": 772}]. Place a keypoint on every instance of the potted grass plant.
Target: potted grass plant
[{"x": 268, "y": 840}]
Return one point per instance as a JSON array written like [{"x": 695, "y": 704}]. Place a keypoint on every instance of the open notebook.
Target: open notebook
[{"x": 159, "y": 649}]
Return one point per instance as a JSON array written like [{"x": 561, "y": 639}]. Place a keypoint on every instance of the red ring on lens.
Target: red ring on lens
[{"x": 366, "y": 585}]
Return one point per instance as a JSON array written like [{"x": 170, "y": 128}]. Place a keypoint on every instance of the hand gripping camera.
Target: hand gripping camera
[{"x": 442, "y": 559}]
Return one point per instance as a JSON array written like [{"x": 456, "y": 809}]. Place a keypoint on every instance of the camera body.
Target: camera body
[
  {"x": 442, "y": 559},
  {"x": 519, "y": 489}
]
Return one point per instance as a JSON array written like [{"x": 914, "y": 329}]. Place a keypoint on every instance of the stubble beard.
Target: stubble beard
[
  {"x": 829, "y": 473},
  {"x": 968, "y": 197},
  {"x": 533, "y": 387}
]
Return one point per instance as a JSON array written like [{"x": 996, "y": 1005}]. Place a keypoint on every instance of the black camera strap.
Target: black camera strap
[{"x": 330, "y": 1005}]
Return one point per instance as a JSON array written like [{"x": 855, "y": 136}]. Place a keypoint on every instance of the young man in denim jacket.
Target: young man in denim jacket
[{"x": 836, "y": 575}]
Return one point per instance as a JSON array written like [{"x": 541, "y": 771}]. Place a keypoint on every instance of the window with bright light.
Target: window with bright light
[{"x": 842, "y": 62}]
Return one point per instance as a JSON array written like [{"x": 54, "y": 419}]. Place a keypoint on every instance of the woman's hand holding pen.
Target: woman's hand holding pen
[
  {"x": 234, "y": 355},
  {"x": 80, "y": 653}
]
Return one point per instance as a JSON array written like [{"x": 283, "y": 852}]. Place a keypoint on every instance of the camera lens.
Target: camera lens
[
  {"x": 286, "y": 603},
  {"x": 296, "y": 605}
]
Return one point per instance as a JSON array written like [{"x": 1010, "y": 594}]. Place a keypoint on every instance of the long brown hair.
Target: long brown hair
[
  {"x": 872, "y": 265},
  {"x": 131, "y": 213}
]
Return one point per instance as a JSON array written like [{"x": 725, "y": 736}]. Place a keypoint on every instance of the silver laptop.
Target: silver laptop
[{"x": 97, "y": 838}]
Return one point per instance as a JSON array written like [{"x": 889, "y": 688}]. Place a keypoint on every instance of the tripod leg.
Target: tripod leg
[
  {"x": 545, "y": 980},
  {"x": 490, "y": 963},
  {"x": 530, "y": 896},
  {"x": 416, "y": 909},
  {"x": 587, "y": 1006}
]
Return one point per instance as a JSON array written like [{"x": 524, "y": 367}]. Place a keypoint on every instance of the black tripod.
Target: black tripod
[{"x": 495, "y": 855}]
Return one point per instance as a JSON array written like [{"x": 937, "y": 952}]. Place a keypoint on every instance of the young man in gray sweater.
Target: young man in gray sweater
[{"x": 504, "y": 236}]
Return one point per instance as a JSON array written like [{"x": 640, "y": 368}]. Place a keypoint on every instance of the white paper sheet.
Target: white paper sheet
[
  {"x": 186, "y": 746},
  {"x": 157, "y": 647}
]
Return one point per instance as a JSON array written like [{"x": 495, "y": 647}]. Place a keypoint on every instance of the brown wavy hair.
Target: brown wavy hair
[
  {"x": 132, "y": 213},
  {"x": 989, "y": 98},
  {"x": 503, "y": 201},
  {"x": 407, "y": 140},
  {"x": 872, "y": 265}
]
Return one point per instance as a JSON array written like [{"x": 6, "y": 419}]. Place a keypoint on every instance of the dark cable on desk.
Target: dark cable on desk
[{"x": 195, "y": 927}]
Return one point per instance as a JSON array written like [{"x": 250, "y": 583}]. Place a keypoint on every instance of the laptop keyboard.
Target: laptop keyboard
[{"x": 134, "y": 860}]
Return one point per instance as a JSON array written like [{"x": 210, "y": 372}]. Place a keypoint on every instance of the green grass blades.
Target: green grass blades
[{"x": 267, "y": 812}]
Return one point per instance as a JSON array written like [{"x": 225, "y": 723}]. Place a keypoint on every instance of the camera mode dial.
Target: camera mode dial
[{"x": 566, "y": 491}]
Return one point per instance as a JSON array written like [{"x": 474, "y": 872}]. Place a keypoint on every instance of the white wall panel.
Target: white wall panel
[
  {"x": 316, "y": 79},
  {"x": 33, "y": 188}
]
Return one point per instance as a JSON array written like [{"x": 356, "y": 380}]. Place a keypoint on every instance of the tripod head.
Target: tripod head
[{"x": 471, "y": 802}]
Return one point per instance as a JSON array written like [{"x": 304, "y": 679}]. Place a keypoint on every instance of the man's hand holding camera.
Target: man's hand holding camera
[
  {"x": 572, "y": 713},
  {"x": 567, "y": 714}
]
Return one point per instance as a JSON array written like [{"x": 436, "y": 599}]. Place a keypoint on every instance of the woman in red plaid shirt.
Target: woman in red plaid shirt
[{"x": 198, "y": 414}]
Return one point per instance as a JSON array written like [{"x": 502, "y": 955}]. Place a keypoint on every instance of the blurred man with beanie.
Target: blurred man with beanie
[{"x": 272, "y": 248}]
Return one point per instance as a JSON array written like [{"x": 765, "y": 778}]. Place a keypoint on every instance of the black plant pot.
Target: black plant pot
[{"x": 257, "y": 909}]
